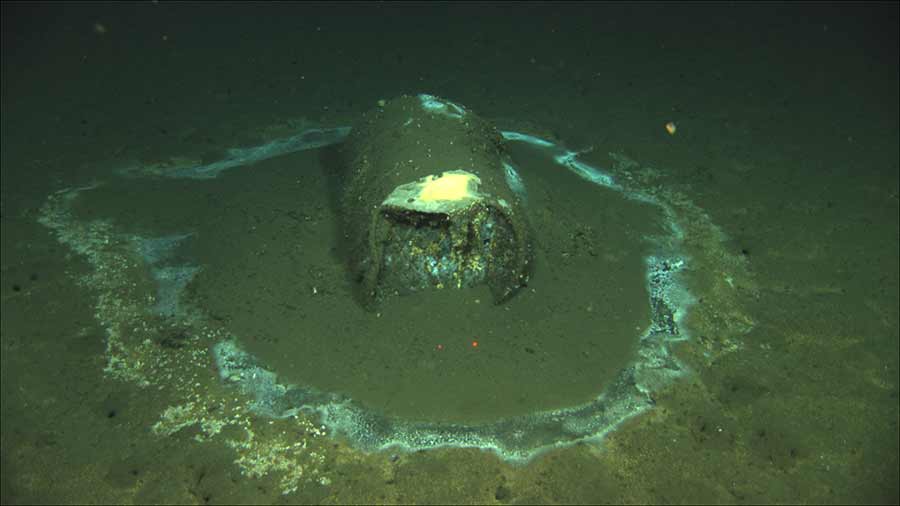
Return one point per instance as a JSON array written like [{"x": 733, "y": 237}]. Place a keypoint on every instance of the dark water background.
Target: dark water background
[{"x": 787, "y": 138}]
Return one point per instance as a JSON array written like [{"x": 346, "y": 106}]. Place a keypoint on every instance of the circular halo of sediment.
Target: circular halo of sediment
[{"x": 516, "y": 438}]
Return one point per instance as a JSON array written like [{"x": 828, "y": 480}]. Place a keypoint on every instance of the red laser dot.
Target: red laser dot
[{"x": 474, "y": 344}]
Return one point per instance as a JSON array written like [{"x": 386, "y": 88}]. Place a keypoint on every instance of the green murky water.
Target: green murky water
[{"x": 783, "y": 174}]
